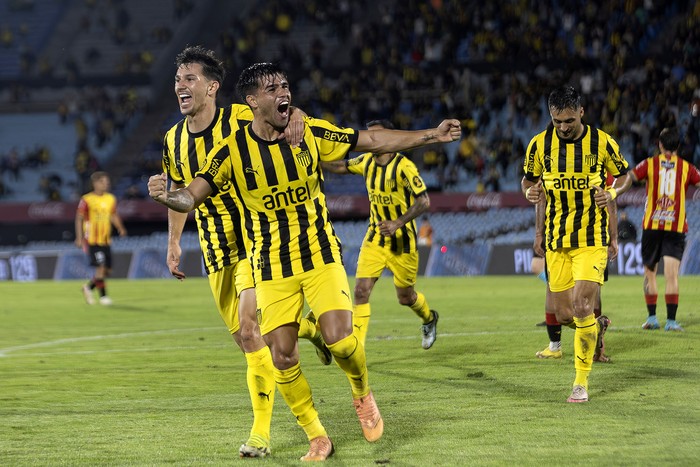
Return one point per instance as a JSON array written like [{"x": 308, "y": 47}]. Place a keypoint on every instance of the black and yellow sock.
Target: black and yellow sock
[
  {"x": 261, "y": 386},
  {"x": 584, "y": 348},
  {"x": 421, "y": 309},
  {"x": 349, "y": 354},
  {"x": 360, "y": 321}
]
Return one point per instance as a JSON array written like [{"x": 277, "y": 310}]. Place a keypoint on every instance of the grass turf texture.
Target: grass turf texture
[{"x": 156, "y": 380}]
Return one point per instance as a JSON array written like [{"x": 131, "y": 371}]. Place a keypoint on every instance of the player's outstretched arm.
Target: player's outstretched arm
[
  {"x": 181, "y": 200},
  {"x": 336, "y": 167},
  {"x": 381, "y": 140}
]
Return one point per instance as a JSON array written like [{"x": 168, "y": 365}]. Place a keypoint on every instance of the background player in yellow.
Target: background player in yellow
[
  {"x": 397, "y": 195},
  {"x": 566, "y": 165},
  {"x": 97, "y": 212},
  {"x": 198, "y": 78},
  {"x": 290, "y": 240}
]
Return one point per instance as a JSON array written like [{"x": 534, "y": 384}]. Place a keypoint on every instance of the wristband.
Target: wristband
[{"x": 612, "y": 191}]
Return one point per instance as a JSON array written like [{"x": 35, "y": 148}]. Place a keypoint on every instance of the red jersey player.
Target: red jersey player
[{"x": 667, "y": 177}]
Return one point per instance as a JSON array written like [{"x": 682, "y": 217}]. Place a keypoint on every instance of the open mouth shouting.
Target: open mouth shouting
[
  {"x": 185, "y": 99},
  {"x": 283, "y": 109}
]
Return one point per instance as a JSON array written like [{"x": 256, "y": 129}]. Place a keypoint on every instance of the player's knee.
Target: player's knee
[
  {"x": 407, "y": 299},
  {"x": 362, "y": 294},
  {"x": 583, "y": 307},
  {"x": 284, "y": 361},
  {"x": 249, "y": 335}
]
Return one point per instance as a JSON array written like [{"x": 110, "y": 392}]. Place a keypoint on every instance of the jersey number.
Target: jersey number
[{"x": 667, "y": 182}]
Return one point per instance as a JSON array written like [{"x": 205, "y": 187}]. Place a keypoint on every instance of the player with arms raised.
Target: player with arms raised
[{"x": 290, "y": 240}]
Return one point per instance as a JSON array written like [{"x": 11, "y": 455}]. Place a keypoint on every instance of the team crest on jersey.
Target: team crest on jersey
[
  {"x": 417, "y": 182},
  {"x": 304, "y": 158},
  {"x": 391, "y": 185},
  {"x": 590, "y": 160}
]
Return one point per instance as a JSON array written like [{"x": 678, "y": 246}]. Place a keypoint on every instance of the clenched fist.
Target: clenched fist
[{"x": 158, "y": 187}]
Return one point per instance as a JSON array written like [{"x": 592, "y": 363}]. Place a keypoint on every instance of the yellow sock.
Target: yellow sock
[
  {"x": 296, "y": 392},
  {"x": 584, "y": 348},
  {"x": 349, "y": 354},
  {"x": 307, "y": 329},
  {"x": 360, "y": 321},
  {"x": 261, "y": 386},
  {"x": 420, "y": 307}
]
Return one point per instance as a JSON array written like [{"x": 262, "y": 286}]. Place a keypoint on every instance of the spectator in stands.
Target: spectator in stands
[
  {"x": 425, "y": 232},
  {"x": 626, "y": 231},
  {"x": 96, "y": 214},
  {"x": 493, "y": 178},
  {"x": 7, "y": 37},
  {"x": 576, "y": 218},
  {"x": 12, "y": 164},
  {"x": 397, "y": 196},
  {"x": 667, "y": 177},
  {"x": 50, "y": 185}
]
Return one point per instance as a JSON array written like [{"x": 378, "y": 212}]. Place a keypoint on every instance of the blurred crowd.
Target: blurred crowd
[
  {"x": 636, "y": 63},
  {"x": 415, "y": 62}
]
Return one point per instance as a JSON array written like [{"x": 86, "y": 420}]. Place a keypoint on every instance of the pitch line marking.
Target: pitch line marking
[
  {"x": 71, "y": 340},
  {"x": 4, "y": 352}
]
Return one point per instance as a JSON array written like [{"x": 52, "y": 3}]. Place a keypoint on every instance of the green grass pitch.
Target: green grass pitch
[{"x": 156, "y": 380}]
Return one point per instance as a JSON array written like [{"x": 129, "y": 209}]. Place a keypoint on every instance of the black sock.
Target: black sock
[
  {"x": 554, "y": 332},
  {"x": 671, "y": 309}
]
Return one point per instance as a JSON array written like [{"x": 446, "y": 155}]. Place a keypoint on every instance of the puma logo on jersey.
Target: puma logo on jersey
[{"x": 250, "y": 170}]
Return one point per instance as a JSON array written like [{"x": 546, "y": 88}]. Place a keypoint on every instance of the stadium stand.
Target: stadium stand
[{"x": 109, "y": 66}]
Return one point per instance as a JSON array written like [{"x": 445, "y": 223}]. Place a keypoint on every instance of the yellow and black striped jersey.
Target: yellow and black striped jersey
[
  {"x": 570, "y": 169},
  {"x": 218, "y": 221},
  {"x": 392, "y": 189},
  {"x": 282, "y": 198}
]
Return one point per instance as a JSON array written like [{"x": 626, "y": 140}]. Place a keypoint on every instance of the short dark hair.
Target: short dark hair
[
  {"x": 670, "y": 138},
  {"x": 252, "y": 77},
  {"x": 212, "y": 68},
  {"x": 564, "y": 97},
  {"x": 97, "y": 176},
  {"x": 383, "y": 122}
]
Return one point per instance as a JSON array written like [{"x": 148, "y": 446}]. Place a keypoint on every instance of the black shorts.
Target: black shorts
[
  {"x": 100, "y": 255},
  {"x": 658, "y": 243}
]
